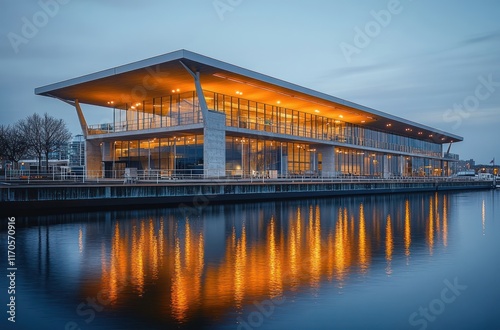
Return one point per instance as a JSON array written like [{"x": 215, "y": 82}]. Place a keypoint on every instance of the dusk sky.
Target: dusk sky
[{"x": 433, "y": 62}]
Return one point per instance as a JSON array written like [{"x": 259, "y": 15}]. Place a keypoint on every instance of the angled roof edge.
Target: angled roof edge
[{"x": 205, "y": 60}]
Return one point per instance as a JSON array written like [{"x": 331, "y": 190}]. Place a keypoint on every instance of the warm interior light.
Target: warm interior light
[
  {"x": 363, "y": 121},
  {"x": 388, "y": 125},
  {"x": 340, "y": 116},
  {"x": 317, "y": 111}
]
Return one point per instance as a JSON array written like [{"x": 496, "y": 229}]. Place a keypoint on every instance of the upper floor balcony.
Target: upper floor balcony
[{"x": 151, "y": 122}]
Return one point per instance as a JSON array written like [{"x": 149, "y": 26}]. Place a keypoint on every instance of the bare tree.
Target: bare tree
[
  {"x": 3, "y": 132},
  {"x": 13, "y": 145},
  {"x": 44, "y": 135}
]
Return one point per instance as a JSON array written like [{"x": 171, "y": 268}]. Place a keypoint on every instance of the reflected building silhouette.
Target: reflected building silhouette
[{"x": 269, "y": 250}]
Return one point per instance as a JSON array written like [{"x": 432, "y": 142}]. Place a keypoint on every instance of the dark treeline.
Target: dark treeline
[{"x": 34, "y": 136}]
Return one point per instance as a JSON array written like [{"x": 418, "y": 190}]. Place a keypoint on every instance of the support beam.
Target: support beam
[
  {"x": 81, "y": 119},
  {"x": 199, "y": 91},
  {"x": 79, "y": 112}
]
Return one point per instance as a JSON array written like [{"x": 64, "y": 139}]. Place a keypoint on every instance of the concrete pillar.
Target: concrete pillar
[
  {"x": 328, "y": 159},
  {"x": 387, "y": 169},
  {"x": 93, "y": 159},
  {"x": 214, "y": 145},
  {"x": 107, "y": 151}
]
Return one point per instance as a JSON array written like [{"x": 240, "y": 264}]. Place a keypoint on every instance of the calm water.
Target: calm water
[{"x": 422, "y": 261}]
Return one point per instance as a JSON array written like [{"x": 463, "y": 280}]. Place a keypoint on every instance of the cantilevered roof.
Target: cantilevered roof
[{"x": 163, "y": 75}]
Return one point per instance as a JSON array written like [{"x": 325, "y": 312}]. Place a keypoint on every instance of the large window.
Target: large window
[
  {"x": 180, "y": 154},
  {"x": 272, "y": 118},
  {"x": 256, "y": 157}
]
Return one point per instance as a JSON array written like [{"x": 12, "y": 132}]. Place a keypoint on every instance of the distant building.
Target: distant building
[
  {"x": 464, "y": 165},
  {"x": 60, "y": 154},
  {"x": 32, "y": 165},
  {"x": 76, "y": 151},
  {"x": 184, "y": 112}
]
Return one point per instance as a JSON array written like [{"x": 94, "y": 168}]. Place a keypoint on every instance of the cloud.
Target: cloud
[{"x": 493, "y": 36}]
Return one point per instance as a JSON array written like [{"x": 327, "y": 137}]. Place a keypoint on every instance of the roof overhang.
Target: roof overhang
[{"x": 164, "y": 75}]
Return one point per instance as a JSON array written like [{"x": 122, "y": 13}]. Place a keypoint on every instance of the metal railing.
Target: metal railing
[
  {"x": 146, "y": 123},
  {"x": 200, "y": 175}
]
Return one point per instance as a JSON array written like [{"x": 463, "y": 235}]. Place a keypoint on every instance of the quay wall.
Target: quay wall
[{"x": 16, "y": 199}]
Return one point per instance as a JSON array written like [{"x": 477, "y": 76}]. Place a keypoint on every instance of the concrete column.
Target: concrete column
[
  {"x": 214, "y": 145},
  {"x": 387, "y": 169},
  {"x": 107, "y": 151},
  {"x": 93, "y": 161},
  {"x": 402, "y": 162},
  {"x": 328, "y": 160}
]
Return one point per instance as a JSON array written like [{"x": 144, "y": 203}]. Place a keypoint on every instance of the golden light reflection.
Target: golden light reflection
[
  {"x": 188, "y": 268},
  {"x": 340, "y": 248},
  {"x": 153, "y": 256},
  {"x": 293, "y": 252},
  {"x": 137, "y": 271},
  {"x": 363, "y": 250},
  {"x": 180, "y": 304},
  {"x": 315, "y": 238},
  {"x": 240, "y": 267},
  {"x": 267, "y": 256},
  {"x": 389, "y": 244},
  {"x": 407, "y": 228},
  {"x": 430, "y": 227},
  {"x": 445, "y": 220},
  {"x": 437, "y": 215},
  {"x": 275, "y": 279}
]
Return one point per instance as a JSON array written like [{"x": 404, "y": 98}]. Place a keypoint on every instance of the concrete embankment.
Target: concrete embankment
[{"x": 36, "y": 198}]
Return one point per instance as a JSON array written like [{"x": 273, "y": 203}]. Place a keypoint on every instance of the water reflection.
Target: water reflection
[
  {"x": 389, "y": 244},
  {"x": 230, "y": 256}
]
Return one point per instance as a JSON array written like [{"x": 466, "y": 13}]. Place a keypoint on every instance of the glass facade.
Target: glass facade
[
  {"x": 252, "y": 115},
  {"x": 181, "y": 154},
  {"x": 254, "y": 157},
  {"x": 172, "y": 110},
  {"x": 249, "y": 155}
]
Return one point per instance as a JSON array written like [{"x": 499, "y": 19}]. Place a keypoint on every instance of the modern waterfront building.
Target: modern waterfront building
[{"x": 186, "y": 113}]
